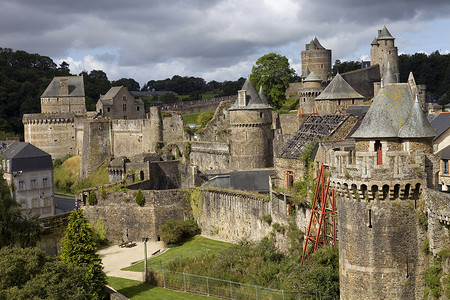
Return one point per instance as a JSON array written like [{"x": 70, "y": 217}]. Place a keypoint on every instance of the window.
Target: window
[
  {"x": 137, "y": 108},
  {"x": 21, "y": 185},
  {"x": 378, "y": 149},
  {"x": 33, "y": 183},
  {"x": 46, "y": 201},
  {"x": 34, "y": 202},
  {"x": 108, "y": 109},
  {"x": 445, "y": 166},
  {"x": 44, "y": 182},
  {"x": 23, "y": 204},
  {"x": 124, "y": 98},
  {"x": 124, "y": 107},
  {"x": 289, "y": 178}
]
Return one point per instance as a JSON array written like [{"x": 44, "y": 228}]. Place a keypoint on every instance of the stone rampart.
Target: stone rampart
[
  {"x": 124, "y": 220},
  {"x": 210, "y": 157}
]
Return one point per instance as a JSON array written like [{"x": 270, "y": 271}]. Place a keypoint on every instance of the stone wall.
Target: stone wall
[
  {"x": 97, "y": 145},
  {"x": 438, "y": 212},
  {"x": 52, "y": 133},
  {"x": 126, "y": 221},
  {"x": 210, "y": 157},
  {"x": 362, "y": 80},
  {"x": 233, "y": 216}
]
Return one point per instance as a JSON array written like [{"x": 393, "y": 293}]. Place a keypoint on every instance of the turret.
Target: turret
[
  {"x": 251, "y": 134},
  {"x": 383, "y": 51}
]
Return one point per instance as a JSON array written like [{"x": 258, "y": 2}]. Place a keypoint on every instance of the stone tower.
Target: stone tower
[
  {"x": 251, "y": 133},
  {"x": 378, "y": 187},
  {"x": 316, "y": 59},
  {"x": 311, "y": 88},
  {"x": 156, "y": 132},
  {"x": 384, "y": 52}
]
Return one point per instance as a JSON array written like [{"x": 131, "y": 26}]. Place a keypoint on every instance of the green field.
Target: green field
[
  {"x": 136, "y": 290},
  {"x": 195, "y": 246}
]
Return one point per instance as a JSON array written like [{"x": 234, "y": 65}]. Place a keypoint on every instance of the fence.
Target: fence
[{"x": 215, "y": 287}]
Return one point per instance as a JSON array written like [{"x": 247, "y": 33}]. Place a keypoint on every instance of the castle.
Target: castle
[{"x": 380, "y": 158}]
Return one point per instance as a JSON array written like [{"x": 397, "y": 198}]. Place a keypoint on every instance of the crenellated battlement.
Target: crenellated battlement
[{"x": 33, "y": 119}]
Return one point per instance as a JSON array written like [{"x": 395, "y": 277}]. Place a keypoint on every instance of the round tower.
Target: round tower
[
  {"x": 156, "y": 134},
  {"x": 316, "y": 59},
  {"x": 378, "y": 187},
  {"x": 383, "y": 51},
  {"x": 311, "y": 88},
  {"x": 251, "y": 133}
]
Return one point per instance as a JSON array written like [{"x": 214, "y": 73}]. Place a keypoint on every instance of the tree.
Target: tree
[
  {"x": 140, "y": 199},
  {"x": 273, "y": 72},
  {"x": 346, "y": 66},
  {"x": 129, "y": 83},
  {"x": 78, "y": 247},
  {"x": 31, "y": 274},
  {"x": 92, "y": 199},
  {"x": 15, "y": 227}
]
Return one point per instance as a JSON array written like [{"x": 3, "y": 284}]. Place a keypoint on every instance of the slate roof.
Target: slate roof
[
  {"x": 254, "y": 180},
  {"x": 315, "y": 42},
  {"x": 111, "y": 93},
  {"x": 441, "y": 123},
  {"x": 314, "y": 128},
  {"x": 26, "y": 157},
  {"x": 312, "y": 77},
  {"x": 337, "y": 89},
  {"x": 385, "y": 34},
  {"x": 391, "y": 109},
  {"x": 75, "y": 84},
  {"x": 375, "y": 42},
  {"x": 388, "y": 76},
  {"x": 254, "y": 100},
  {"x": 445, "y": 153}
]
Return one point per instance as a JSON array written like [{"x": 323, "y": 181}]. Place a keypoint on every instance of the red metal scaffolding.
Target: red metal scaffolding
[{"x": 322, "y": 224}]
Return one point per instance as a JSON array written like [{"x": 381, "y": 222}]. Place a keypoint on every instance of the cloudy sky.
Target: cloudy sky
[{"x": 213, "y": 39}]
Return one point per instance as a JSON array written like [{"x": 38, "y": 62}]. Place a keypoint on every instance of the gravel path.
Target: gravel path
[{"x": 115, "y": 258}]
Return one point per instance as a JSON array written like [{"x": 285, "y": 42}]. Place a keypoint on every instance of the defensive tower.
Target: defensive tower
[
  {"x": 316, "y": 59},
  {"x": 384, "y": 52},
  {"x": 378, "y": 187},
  {"x": 251, "y": 133}
]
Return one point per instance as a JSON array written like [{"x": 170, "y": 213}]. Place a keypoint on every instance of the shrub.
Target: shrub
[
  {"x": 140, "y": 199},
  {"x": 175, "y": 231},
  {"x": 267, "y": 218},
  {"x": 278, "y": 228},
  {"x": 92, "y": 199}
]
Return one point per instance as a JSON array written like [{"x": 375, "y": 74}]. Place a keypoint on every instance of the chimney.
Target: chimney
[{"x": 64, "y": 87}]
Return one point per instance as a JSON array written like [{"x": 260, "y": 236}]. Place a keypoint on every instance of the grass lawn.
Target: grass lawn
[
  {"x": 136, "y": 290},
  {"x": 192, "y": 247}
]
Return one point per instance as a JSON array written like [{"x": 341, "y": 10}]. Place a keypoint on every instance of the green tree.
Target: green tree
[
  {"x": 273, "y": 72},
  {"x": 345, "y": 66},
  {"x": 140, "y": 199},
  {"x": 78, "y": 246},
  {"x": 92, "y": 199},
  {"x": 129, "y": 83},
  {"x": 31, "y": 274},
  {"x": 15, "y": 227}
]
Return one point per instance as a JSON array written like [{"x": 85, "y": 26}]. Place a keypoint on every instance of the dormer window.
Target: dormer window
[{"x": 124, "y": 98}]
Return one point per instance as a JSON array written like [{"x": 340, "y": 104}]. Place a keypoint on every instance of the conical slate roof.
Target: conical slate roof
[
  {"x": 375, "y": 42},
  {"x": 253, "y": 99},
  {"x": 263, "y": 97},
  {"x": 385, "y": 34},
  {"x": 417, "y": 125},
  {"x": 337, "y": 89},
  {"x": 392, "y": 109},
  {"x": 312, "y": 77}
]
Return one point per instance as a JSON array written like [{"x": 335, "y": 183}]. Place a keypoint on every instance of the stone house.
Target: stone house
[
  {"x": 444, "y": 175},
  {"x": 30, "y": 171},
  {"x": 118, "y": 103}
]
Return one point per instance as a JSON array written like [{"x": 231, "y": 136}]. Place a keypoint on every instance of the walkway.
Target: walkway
[{"x": 115, "y": 258}]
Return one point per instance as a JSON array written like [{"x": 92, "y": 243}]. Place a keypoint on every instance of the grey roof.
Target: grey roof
[
  {"x": 391, "y": 109},
  {"x": 337, "y": 89},
  {"x": 255, "y": 180},
  {"x": 385, "y": 34},
  {"x": 388, "y": 76},
  {"x": 375, "y": 42},
  {"x": 26, "y": 157},
  {"x": 315, "y": 42},
  {"x": 417, "y": 125},
  {"x": 441, "y": 123},
  {"x": 312, "y": 77},
  {"x": 75, "y": 84},
  {"x": 262, "y": 95},
  {"x": 445, "y": 153},
  {"x": 254, "y": 101},
  {"x": 112, "y": 92},
  {"x": 314, "y": 128},
  {"x": 138, "y": 101}
]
